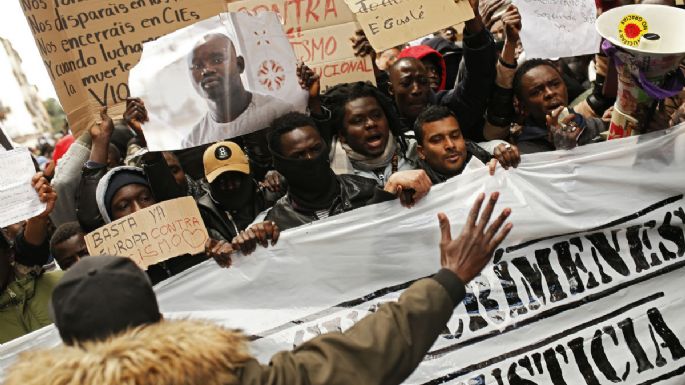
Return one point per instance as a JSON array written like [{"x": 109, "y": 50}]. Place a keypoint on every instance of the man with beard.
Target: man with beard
[
  {"x": 215, "y": 70},
  {"x": 444, "y": 153},
  {"x": 540, "y": 98},
  {"x": 314, "y": 191},
  {"x": 234, "y": 199}
]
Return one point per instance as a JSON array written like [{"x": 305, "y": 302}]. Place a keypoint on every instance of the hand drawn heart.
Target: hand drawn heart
[{"x": 195, "y": 239}]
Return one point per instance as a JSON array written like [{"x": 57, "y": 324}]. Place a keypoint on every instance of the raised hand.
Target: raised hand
[{"x": 467, "y": 255}]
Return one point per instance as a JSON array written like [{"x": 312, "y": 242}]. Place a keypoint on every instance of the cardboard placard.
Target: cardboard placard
[
  {"x": 388, "y": 23},
  {"x": 320, "y": 33},
  {"x": 329, "y": 53},
  {"x": 152, "y": 235},
  {"x": 89, "y": 46}
]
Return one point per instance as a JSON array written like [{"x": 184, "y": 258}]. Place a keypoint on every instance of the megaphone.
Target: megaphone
[{"x": 647, "y": 44}]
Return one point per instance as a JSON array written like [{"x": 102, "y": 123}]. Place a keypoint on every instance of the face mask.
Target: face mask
[
  {"x": 310, "y": 181},
  {"x": 234, "y": 199}
]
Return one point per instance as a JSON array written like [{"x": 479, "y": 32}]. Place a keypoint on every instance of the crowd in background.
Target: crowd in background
[{"x": 460, "y": 100}]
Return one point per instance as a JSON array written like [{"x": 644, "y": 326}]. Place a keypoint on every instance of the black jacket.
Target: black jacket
[
  {"x": 355, "y": 191},
  {"x": 224, "y": 226},
  {"x": 472, "y": 149}
]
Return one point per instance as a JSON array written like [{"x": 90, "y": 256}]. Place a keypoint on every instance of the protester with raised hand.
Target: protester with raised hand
[
  {"x": 25, "y": 287},
  {"x": 383, "y": 348},
  {"x": 541, "y": 98},
  {"x": 410, "y": 85},
  {"x": 500, "y": 113}
]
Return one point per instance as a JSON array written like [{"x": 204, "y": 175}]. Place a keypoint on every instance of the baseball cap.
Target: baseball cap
[
  {"x": 100, "y": 296},
  {"x": 222, "y": 157}
]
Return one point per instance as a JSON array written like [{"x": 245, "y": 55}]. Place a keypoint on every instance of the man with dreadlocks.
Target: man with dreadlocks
[{"x": 368, "y": 141}]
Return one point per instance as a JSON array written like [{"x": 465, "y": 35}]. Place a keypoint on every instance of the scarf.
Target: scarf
[
  {"x": 345, "y": 160},
  {"x": 312, "y": 185}
]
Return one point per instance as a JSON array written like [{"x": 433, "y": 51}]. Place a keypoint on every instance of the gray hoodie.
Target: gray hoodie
[{"x": 104, "y": 184}]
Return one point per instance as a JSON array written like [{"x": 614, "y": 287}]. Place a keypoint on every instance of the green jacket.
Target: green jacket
[
  {"x": 24, "y": 305},
  {"x": 383, "y": 348}
]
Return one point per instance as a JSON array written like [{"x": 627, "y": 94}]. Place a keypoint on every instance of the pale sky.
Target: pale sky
[{"x": 13, "y": 26}]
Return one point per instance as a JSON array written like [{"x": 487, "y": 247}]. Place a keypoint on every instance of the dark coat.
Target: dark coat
[{"x": 355, "y": 191}]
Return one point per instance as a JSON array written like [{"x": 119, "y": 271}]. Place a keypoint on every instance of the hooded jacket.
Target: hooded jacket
[
  {"x": 160, "y": 271},
  {"x": 423, "y": 51},
  {"x": 383, "y": 348}
]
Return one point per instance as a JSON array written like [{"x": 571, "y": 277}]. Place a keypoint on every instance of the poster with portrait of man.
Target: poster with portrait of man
[{"x": 220, "y": 78}]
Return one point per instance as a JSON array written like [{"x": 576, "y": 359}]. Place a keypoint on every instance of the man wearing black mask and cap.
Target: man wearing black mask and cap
[
  {"x": 314, "y": 191},
  {"x": 234, "y": 199}
]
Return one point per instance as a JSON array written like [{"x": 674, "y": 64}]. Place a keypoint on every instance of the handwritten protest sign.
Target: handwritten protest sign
[
  {"x": 558, "y": 28},
  {"x": 388, "y": 23},
  {"x": 320, "y": 33},
  {"x": 18, "y": 199},
  {"x": 89, "y": 46},
  {"x": 152, "y": 235},
  {"x": 335, "y": 61}
]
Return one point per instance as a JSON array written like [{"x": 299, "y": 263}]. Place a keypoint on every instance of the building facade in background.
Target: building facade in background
[{"x": 22, "y": 114}]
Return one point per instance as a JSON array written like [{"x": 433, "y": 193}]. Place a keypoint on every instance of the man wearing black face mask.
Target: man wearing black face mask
[
  {"x": 234, "y": 199},
  {"x": 314, "y": 191}
]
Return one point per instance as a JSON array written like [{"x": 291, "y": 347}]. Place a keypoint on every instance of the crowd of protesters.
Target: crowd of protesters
[{"x": 461, "y": 100}]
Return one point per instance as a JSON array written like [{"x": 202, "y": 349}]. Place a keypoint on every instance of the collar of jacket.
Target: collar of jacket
[
  {"x": 352, "y": 187},
  {"x": 181, "y": 352}
]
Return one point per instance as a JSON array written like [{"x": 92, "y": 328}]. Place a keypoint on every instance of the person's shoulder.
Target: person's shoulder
[{"x": 357, "y": 183}]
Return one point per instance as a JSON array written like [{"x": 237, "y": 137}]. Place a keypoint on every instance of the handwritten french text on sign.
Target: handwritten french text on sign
[
  {"x": 18, "y": 199},
  {"x": 152, "y": 235},
  {"x": 319, "y": 32},
  {"x": 388, "y": 23},
  {"x": 89, "y": 46},
  {"x": 558, "y": 28}
]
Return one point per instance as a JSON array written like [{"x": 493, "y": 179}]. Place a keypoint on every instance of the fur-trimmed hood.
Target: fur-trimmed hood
[{"x": 165, "y": 353}]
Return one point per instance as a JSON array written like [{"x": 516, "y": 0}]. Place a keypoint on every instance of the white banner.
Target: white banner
[{"x": 586, "y": 289}]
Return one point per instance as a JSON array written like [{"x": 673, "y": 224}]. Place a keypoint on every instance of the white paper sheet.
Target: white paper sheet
[
  {"x": 558, "y": 28},
  {"x": 18, "y": 199}
]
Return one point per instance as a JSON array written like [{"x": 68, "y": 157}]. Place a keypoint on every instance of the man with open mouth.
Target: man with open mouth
[{"x": 540, "y": 100}]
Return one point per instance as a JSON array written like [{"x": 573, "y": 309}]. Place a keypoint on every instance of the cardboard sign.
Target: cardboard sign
[
  {"x": 330, "y": 55},
  {"x": 558, "y": 28},
  {"x": 388, "y": 23},
  {"x": 88, "y": 47},
  {"x": 320, "y": 33},
  {"x": 152, "y": 235}
]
